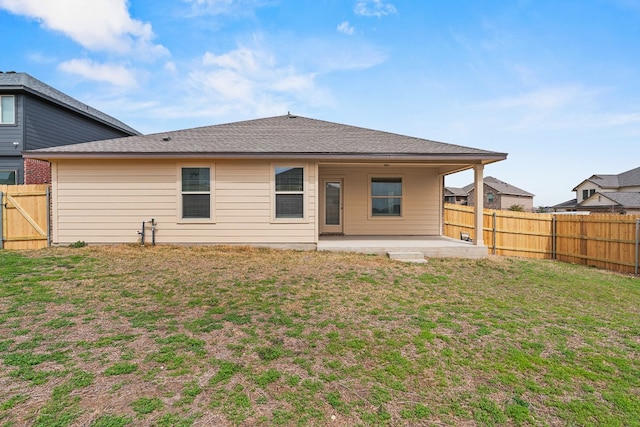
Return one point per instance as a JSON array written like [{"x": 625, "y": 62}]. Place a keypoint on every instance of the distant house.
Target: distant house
[
  {"x": 606, "y": 194},
  {"x": 278, "y": 181},
  {"x": 497, "y": 195},
  {"x": 568, "y": 206},
  {"x": 34, "y": 115},
  {"x": 455, "y": 195}
]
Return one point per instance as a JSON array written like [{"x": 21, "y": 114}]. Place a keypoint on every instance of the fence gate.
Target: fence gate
[{"x": 24, "y": 216}]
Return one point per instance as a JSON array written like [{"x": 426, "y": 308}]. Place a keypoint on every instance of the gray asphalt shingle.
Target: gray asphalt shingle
[
  {"x": 274, "y": 135},
  {"x": 626, "y": 199}
]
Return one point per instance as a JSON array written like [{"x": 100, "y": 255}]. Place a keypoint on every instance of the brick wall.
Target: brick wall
[{"x": 37, "y": 171}]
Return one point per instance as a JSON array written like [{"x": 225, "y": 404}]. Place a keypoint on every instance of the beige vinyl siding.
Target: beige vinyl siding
[
  {"x": 420, "y": 200},
  {"x": 509, "y": 200},
  {"x": 586, "y": 186},
  {"x": 106, "y": 201},
  {"x": 599, "y": 200}
]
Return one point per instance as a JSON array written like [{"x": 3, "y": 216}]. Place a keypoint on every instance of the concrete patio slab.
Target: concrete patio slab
[
  {"x": 430, "y": 246},
  {"x": 415, "y": 257}
]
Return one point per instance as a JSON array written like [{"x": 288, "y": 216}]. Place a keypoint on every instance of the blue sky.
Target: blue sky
[{"x": 556, "y": 84}]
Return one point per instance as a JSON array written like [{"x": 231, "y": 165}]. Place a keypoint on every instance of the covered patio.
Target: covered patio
[{"x": 429, "y": 246}]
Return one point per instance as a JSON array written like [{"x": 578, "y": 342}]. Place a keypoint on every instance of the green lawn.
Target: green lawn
[{"x": 167, "y": 336}]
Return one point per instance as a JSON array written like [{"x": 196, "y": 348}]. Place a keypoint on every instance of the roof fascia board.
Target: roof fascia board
[{"x": 461, "y": 159}]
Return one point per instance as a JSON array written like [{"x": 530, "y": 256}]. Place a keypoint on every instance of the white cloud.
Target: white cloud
[
  {"x": 41, "y": 58},
  {"x": 251, "y": 81},
  {"x": 242, "y": 60},
  {"x": 246, "y": 74},
  {"x": 116, "y": 75},
  {"x": 345, "y": 28},
  {"x": 544, "y": 99},
  {"x": 573, "y": 107},
  {"x": 374, "y": 8},
  {"x": 98, "y": 25},
  {"x": 227, "y": 7},
  {"x": 171, "y": 67},
  {"x": 618, "y": 119}
]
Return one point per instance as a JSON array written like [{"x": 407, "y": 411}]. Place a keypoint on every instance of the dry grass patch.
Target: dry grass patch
[{"x": 243, "y": 336}]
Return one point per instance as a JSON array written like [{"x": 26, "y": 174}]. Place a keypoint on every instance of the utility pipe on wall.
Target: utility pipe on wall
[
  {"x": 141, "y": 233},
  {"x": 153, "y": 232}
]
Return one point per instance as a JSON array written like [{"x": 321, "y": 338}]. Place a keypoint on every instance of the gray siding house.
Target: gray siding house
[{"x": 34, "y": 115}]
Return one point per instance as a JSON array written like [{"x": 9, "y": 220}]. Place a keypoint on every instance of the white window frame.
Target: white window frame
[
  {"x": 14, "y": 110},
  {"x": 370, "y": 197},
  {"x": 211, "y": 194},
  {"x": 588, "y": 192},
  {"x": 304, "y": 193}
]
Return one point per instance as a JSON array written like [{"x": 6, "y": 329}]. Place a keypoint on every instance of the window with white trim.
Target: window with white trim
[
  {"x": 7, "y": 109},
  {"x": 386, "y": 196},
  {"x": 588, "y": 193},
  {"x": 196, "y": 193},
  {"x": 289, "y": 192}
]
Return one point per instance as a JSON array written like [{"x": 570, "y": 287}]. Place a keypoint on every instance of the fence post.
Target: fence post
[
  {"x": 48, "y": 201},
  {"x": 554, "y": 237},
  {"x": 1, "y": 220},
  {"x": 494, "y": 232},
  {"x": 637, "y": 245}
]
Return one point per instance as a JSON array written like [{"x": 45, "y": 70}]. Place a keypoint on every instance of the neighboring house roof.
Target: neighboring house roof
[
  {"x": 277, "y": 137},
  {"x": 630, "y": 178},
  {"x": 566, "y": 205},
  {"x": 621, "y": 198},
  {"x": 11, "y": 82},
  {"x": 455, "y": 191},
  {"x": 501, "y": 187}
]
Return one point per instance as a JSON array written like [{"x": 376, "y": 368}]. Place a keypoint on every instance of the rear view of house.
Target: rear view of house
[
  {"x": 34, "y": 115},
  {"x": 279, "y": 181}
]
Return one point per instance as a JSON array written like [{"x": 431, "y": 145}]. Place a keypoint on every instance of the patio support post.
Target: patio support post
[{"x": 479, "y": 204}]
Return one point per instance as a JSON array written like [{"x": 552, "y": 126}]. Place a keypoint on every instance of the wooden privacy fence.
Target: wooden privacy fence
[
  {"x": 24, "y": 216},
  {"x": 606, "y": 241}
]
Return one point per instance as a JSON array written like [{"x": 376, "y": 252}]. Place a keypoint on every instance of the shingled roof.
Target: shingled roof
[
  {"x": 500, "y": 187},
  {"x": 280, "y": 136},
  {"x": 630, "y": 178},
  {"x": 625, "y": 199},
  {"x": 12, "y": 82},
  {"x": 505, "y": 188}
]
